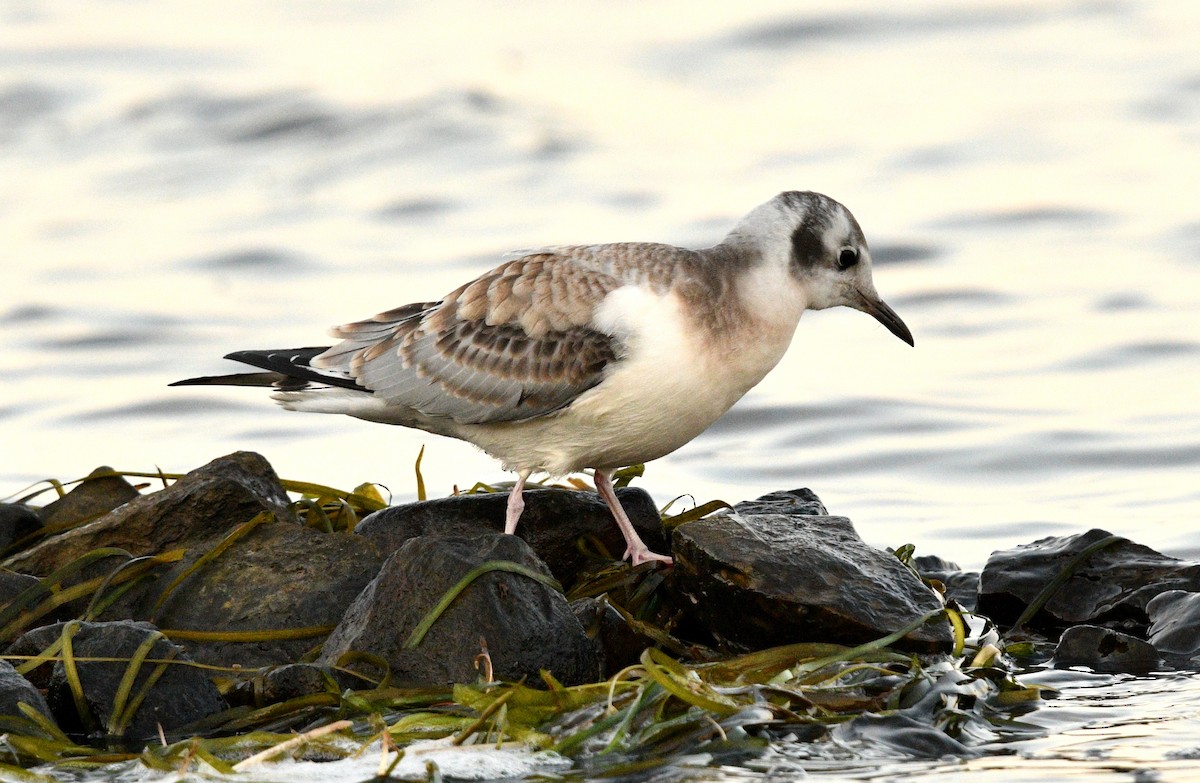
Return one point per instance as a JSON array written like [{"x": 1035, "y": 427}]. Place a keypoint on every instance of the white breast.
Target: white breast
[{"x": 677, "y": 377}]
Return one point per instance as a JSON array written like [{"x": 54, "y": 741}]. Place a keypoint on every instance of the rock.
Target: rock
[
  {"x": 925, "y": 563},
  {"x": 617, "y": 644},
  {"x": 1175, "y": 622},
  {"x": 206, "y": 502},
  {"x": 34, "y": 642},
  {"x": 280, "y": 683},
  {"x": 14, "y": 688},
  {"x": 526, "y": 625},
  {"x": 13, "y": 584},
  {"x": 803, "y": 502},
  {"x": 758, "y": 580},
  {"x": 92, "y": 498},
  {"x": 553, "y": 520},
  {"x": 181, "y": 695},
  {"x": 1104, "y": 650},
  {"x": 962, "y": 586},
  {"x": 16, "y": 521},
  {"x": 1113, "y": 585},
  {"x": 280, "y": 576}
]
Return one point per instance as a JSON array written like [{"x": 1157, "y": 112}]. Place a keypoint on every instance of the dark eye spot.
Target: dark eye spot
[{"x": 847, "y": 258}]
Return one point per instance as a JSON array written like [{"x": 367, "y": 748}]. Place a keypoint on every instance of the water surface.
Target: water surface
[{"x": 183, "y": 181}]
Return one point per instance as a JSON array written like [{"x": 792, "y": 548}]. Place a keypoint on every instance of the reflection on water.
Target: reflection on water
[{"x": 180, "y": 187}]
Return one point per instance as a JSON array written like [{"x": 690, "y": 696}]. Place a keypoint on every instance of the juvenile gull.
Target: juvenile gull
[{"x": 590, "y": 356}]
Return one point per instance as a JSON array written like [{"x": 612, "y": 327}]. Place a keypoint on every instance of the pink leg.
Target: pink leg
[
  {"x": 636, "y": 551},
  {"x": 516, "y": 503}
]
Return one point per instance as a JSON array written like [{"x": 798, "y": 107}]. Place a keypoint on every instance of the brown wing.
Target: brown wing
[{"x": 516, "y": 343}]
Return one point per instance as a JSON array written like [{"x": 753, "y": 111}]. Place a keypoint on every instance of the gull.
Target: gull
[{"x": 589, "y": 356}]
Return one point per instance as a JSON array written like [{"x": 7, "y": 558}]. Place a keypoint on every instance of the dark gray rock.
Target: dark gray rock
[
  {"x": 281, "y": 683},
  {"x": 803, "y": 502},
  {"x": 757, "y": 580},
  {"x": 925, "y": 563},
  {"x": 14, "y": 689},
  {"x": 206, "y": 502},
  {"x": 279, "y": 576},
  {"x": 181, "y": 695},
  {"x": 553, "y": 520},
  {"x": 92, "y": 498},
  {"x": 962, "y": 586},
  {"x": 1114, "y": 585},
  {"x": 13, "y": 584},
  {"x": 618, "y": 644},
  {"x": 33, "y": 596},
  {"x": 1175, "y": 623},
  {"x": 34, "y": 642},
  {"x": 525, "y": 625},
  {"x": 16, "y": 521},
  {"x": 1104, "y": 650}
]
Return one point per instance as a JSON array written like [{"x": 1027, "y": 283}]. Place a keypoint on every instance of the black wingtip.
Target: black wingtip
[
  {"x": 236, "y": 379},
  {"x": 285, "y": 368}
]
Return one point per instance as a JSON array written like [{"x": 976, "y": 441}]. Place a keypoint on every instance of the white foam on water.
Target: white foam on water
[
  {"x": 511, "y": 761},
  {"x": 478, "y": 762}
]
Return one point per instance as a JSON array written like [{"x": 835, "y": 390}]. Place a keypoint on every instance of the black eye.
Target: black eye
[{"x": 847, "y": 258}]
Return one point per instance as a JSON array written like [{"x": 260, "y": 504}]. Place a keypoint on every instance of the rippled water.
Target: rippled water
[{"x": 183, "y": 180}]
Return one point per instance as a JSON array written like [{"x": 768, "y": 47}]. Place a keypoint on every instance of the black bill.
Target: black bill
[{"x": 879, "y": 310}]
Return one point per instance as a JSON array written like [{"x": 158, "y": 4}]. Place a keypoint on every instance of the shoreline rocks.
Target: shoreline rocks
[
  {"x": 552, "y": 522},
  {"x": 248, "y": 585},
  {"x": 1110, "y": 585},
  {"x": 774, "y": 571},
  {"x": 521, "y": 624}
]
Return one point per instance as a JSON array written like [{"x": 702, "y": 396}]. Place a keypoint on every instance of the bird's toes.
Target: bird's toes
[{"x": 645, "y": 556}]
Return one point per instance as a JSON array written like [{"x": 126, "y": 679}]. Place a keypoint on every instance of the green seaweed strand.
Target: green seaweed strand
[
  {"x": 1065, "y": 573},
  {"x": 418, "y": 633}
]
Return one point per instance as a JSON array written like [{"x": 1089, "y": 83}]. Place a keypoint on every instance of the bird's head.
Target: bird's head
[{"x": 825, "y": 252}]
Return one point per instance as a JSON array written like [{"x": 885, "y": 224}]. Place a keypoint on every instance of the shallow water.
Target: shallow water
[
  {"x": 181, "y": 183},
  {"x": 1100, "y": 727}
]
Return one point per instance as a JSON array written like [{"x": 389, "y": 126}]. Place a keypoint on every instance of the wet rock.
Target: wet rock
[
  {"x": 281, "y": 683},
  {"x": 1104, "y": 650},
  {"x": 33, "y": 597},
  {"x": 617, "y": 644},
  {"x": 181, "y": 695},
  {"x": 280, "y": 576},
  {"x": 962, "y": 586},
  {"x": 34, "y": 642},
  {"x": 13, "y": 584},
  {"x": 803, "y": 502},
  {"x": 14, "y": 689},
  {"x": 16, "y": 521},
  {"x": 936, "y": 563},
  {"x": 1175, "y": 623},
  {"x": 92, "y": 498},
  {"x": 1112, "y": 586},
  {"x": 553, "y": 520},
  {"x": 208, "y": 501},
  {"x": 525, "y": 625},
  {"x": 757, "y": 580}
]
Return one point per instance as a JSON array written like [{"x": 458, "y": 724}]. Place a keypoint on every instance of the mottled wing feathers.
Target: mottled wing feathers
[
  {"x": 515, "y": 343},
  {"x": 542, "y": 293}
]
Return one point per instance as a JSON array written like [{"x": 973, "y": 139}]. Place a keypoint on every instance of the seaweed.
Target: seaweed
[{"x": 681, "y": 697}]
